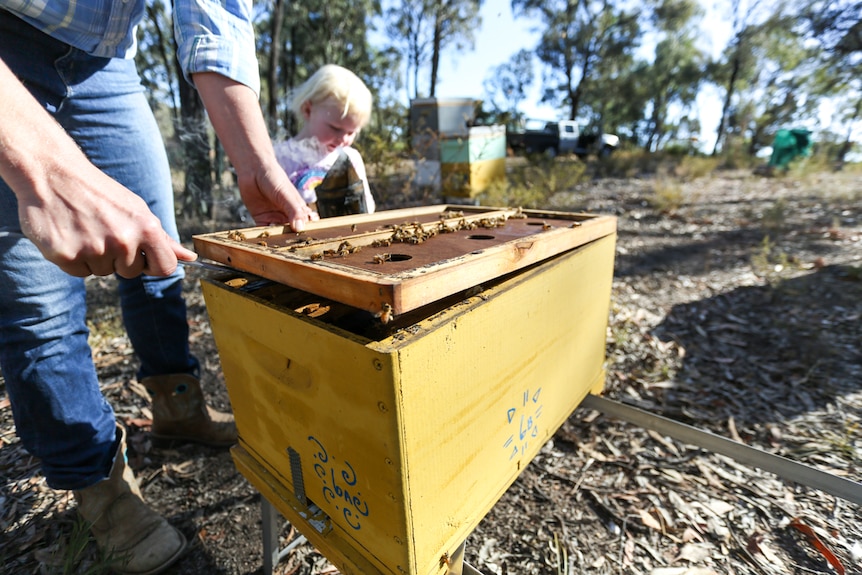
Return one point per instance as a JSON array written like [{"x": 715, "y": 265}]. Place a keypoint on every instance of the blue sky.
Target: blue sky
[{"x": 497, "y": 40}]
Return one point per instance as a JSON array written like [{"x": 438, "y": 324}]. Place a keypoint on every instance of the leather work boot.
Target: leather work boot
[
  {"x": 179, "y": 412},
  {"x": 124, "y": 527}
]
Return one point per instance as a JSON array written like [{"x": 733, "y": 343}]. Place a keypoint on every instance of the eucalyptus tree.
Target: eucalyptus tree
[
  {"x": 625, "y": 101},
  {"x": 581, "y": 39},
  {"x": 836, "y": 29},
  {"x": 782, "y": 92},
  {"x": 507, "y": 84},
  {"x": 296, "y": 37},
  {"x": 276, "y": 25},
  {"x": 454, "y": 22},
  {"x": 673, "y": 79},
  {"x": 410, "y": 30},
  {"x": 737, "y": 65},
  {"x": 167, "y": 88},
  {"x": 835, "y": 24},
  {"x": 616, "y": 94},
  {"x": 155, "y": 60},
  {"x": 424, "y": 29},
  {"x": 389, "y": 117},
  {"x": 766, "y": 74}
]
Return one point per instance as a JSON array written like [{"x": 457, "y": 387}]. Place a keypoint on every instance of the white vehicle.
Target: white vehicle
[{"x": 563, "y": 137}]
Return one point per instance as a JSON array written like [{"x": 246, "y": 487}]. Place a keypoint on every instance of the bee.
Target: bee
[
  {"x": 380, "y": 258},
  {"x": 236, "y": 236},
  {"x": 576, "y": 224},
  {"x": 546, "y": 226},
  {"x": 444, "y": 560},
  {"x": 316, "y": 256},
  {"x": 264, "y": 234},
  {"x": 519, "y": 214},
  {"x": 353, "y": 228},
  {"x": 381, "y": 243},
  {"x": 475, "y": 290},
  {"x": 490, "y": 223},
  {"x": 385, "y": 314},
  {"x": 262, "y": 243}
]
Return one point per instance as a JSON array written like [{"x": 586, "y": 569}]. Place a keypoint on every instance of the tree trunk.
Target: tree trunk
[
  {"x": 416, "y": 61},
  {"x": 274, "y": 59},
  {"x": 195, "y": 145},
  {"x": 575, "y": 95},
  {"x": 291, "y": 124},
  {"x": 847, "y": 145},
  {"x": 435, "y": 51},
  {"x": 725, "y": 108},
  {"x": 169, "y": 70}
]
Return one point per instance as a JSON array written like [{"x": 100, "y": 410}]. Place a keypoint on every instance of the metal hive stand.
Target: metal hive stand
[{"x": 272, "y": 555}]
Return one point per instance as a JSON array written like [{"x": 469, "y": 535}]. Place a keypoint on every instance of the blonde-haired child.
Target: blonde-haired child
[{"x": 333, "y": 105}]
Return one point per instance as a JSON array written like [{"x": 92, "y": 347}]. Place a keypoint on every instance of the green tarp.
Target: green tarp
[{"x": 788, "y": 145}]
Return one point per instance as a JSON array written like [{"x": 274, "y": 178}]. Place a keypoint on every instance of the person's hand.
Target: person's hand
[
  {"x": 91, "y": 224},
  {"x": 271, "y": 199},
  {"x": 265, "y": 189},
  {"x": 78, "y": 217}
]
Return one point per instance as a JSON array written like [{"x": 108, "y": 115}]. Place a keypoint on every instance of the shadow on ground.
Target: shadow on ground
[{"x": 771, "y": 352}]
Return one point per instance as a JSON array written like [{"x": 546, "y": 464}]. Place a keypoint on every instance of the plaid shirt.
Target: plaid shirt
[{"x": 212, "y": 36}]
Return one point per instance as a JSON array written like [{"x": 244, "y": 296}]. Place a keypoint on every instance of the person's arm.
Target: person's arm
[
  {"x": 78, "y": 217},
  {"x": 265, "y": 188}
]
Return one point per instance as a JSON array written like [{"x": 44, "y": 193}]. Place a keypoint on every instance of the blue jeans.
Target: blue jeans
[{"x": 60, "y": 413}]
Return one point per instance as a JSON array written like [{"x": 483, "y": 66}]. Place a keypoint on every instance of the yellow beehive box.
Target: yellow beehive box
[{"x": 387, "y": 446}]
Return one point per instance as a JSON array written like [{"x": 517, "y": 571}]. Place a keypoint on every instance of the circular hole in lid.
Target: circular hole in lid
[
  {"x": 399, "y": 257},
  {"x": 480, "y": 237}
]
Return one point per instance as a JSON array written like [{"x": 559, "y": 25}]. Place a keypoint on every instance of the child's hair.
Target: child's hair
[{"x": 338, "y": 83}]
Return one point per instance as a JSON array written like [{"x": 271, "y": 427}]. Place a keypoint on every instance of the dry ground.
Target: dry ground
[{"x": 735, "y": 309}]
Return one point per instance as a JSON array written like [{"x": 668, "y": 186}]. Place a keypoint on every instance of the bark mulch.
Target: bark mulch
[{"x": 737, "y": 309}]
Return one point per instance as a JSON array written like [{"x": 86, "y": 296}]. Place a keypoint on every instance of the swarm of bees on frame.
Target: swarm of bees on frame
[
  {"x": 345, "y": 248},
  {"x": 451, "y": 221},
  {"x": 304, "y": 242},
  {"x": 261, "y": 239},
  {"x": 238, "y": 236}
]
